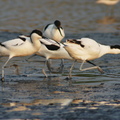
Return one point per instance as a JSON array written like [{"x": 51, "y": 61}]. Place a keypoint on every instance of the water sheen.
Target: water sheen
[{"x": 76, "y": 16}]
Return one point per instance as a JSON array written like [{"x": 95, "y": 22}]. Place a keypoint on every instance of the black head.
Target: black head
[
  {"x": 37, "y": 32},
  {"x": 57, "y": 23}
]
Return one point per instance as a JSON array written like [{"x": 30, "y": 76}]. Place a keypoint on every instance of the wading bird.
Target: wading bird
[
  {"x": 51, "y": 49},
  {"x": 109, "y": 3},
  {"x": 86, "y": 49},
  {"x": 54, "y": 31},
  {"x": 20, "y": 47}
]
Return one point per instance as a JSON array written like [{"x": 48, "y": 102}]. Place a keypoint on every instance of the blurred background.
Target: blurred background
[{"x": 77, "y": 16}]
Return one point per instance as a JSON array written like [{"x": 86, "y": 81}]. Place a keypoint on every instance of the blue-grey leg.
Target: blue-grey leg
[
  {"x": 95, "y": 67},
  {"x": 71, "y": 68},
  {"x": 43, "y": 70},
  {"x": 2, "y": 79}
]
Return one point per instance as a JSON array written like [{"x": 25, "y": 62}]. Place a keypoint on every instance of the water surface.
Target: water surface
[{"x": 76, "y": 16}]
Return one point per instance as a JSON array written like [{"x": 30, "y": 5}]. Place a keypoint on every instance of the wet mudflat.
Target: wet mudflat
[{"x": 89, "y": 95}]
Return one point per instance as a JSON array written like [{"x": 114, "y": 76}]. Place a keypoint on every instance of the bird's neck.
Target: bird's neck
[
  {"x": 36, "y": 43},
  {"x": 113, "y": 49}
]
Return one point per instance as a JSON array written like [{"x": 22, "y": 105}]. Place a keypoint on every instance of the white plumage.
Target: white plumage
[
  {"x": 108, "y": 2},
  {"x": 20, "y": 47},
  {"x": 51, "y": 49},
  {"x": 86, "y": 49},
  {"x": 54, "y": 31}
]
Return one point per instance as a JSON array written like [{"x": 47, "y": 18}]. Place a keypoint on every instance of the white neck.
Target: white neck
[{"x": 35, "y": 41}]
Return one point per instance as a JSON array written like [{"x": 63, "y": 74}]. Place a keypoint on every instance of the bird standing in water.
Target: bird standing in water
[
  {"x": 51, "y": 49},
  {"x": 86, "y": 49},
  {"x": 20, "y": 47},
  {"x": 55, "y": 32},
  {"x": 109, "y": 3}
]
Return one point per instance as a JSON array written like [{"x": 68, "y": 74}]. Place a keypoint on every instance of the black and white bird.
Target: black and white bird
[
  {"x": 54, "y": 31},
  {"x": 109, "y": 3},
  {"x": 51, "y": 49},
  {"x": 20, "y": 47},
  {"x": 86, "y": 49}
]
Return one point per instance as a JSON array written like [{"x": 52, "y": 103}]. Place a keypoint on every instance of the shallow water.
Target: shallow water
[
  {"x": 76, "y": 16},
  {"x": 27, "y": 94}
]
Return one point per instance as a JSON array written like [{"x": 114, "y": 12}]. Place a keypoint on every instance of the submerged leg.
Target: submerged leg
[
  {"x": 50, "y": 68},
  {"x": 62, "y": 65},
  {"x": 90, "y": 68},
  {"x": 31, "y": 57},
  {"x": 48, "y": 63},
  {"x": 2, "y": 79},
  {"x": 70, "y": 72},
  {"x": 43, "y": 70}
]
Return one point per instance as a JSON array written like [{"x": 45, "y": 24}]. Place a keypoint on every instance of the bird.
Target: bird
[
  {"x": 51, "y": 49},
  {"x": 109, "y": 3},
  {"x": 20, "y": 46},
  {"x": 54, "y": 31},
  {"x": 86, "y": 49}
]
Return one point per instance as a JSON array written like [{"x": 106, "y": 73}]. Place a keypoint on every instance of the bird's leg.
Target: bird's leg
[
  {"x": 49, "y": 66},
  {"x": 49, "y": 62},
  {"x": 30, "y": 57},
  {"x": 43, "y": 70},
  {"x": 112, "y": 11},
  {"x": 2, "y": 79},
  {"x": 16, "y": 68},
  {"x": 90, "y": 68},
  {"x": 70, "y": 72},
  {"x": 97, "y": 67},
  {"x": 62, "y": 65}
]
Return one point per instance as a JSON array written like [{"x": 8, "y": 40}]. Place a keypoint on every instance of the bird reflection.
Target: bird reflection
[
  {"x": 107, "y": 20},
  {"x": 16, "y": 69}
]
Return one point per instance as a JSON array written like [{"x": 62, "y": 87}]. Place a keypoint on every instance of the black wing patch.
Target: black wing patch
[
  {"x": 79, "y": 42},
  {"x": 52, "y": 47},
  {"x": 76, "y": 42},
  {"x": 2, "y": 45},
  {"x": 22, "y": 38},
  {"x": 46, "y": 27},
  {"x": 115, "y": 46}
]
